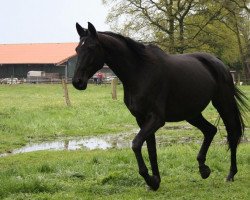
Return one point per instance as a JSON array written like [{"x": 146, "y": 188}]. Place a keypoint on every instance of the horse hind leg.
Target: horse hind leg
[
  {"x": 230, "y": 114},
  {"x": 209, "y": 132}
]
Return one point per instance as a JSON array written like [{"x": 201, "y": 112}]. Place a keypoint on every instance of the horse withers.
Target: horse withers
[{"x": 160, "y": 88}]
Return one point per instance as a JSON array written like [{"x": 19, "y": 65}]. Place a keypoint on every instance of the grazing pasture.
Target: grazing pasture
[
  {"x": 34, "y": 113},
  {"x": 111, "y": 174}
]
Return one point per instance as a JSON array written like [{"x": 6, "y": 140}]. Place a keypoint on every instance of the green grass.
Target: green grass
[
  {"x": 38, "y": 112},
  {"x": 32, "y": 113},
  {"x": 113, "y": 174}
]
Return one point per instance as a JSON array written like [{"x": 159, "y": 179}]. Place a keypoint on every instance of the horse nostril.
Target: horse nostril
[
  {"x": 79, "y": 83},
  {"x": 76, "y": 81}
]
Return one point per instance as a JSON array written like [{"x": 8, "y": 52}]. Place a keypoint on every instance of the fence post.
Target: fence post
[
  {"x": 11, "y": 82},
  {"x": 113, "y": 86},
  {"x": 66, "y": 94}
]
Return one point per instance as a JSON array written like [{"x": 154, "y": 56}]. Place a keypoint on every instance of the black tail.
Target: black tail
[
  {"x": 227, "y": 91},
  {"x": 242, "y": 106}
]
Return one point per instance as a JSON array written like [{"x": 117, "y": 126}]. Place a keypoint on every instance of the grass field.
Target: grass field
[
  {"x": 33, "y": 113},
  {"x": 38, "y": 112},
  {"x": 113, "y": 174}
]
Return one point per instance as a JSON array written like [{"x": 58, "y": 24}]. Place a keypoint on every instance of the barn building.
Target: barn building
[{"x": 16, "y": 60}]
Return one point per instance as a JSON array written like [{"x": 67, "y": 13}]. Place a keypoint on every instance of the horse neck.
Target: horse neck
[{"x": 120, "y": 59}]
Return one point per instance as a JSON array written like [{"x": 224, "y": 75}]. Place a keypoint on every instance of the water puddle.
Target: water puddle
[
  {"x": 118, "y": 141},
  {"x": 88, "y": 143}
]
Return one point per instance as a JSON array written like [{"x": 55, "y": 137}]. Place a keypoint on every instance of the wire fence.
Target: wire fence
[
  {"x": 58, "y": 80},
  {"x": 39, "y": 80}
]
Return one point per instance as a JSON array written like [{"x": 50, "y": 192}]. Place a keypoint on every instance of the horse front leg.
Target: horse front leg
[
  {"x": 148, "y": 129},
  {"x": 152, "y": 153}
]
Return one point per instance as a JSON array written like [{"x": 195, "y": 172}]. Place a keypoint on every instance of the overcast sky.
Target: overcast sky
[{"x": 41, "y": 21}]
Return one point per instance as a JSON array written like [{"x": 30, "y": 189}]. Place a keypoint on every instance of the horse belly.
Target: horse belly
[{"x": 187, "y": 100}]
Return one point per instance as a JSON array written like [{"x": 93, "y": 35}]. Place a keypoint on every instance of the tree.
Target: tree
[
  {"x": 156, "y": 21},
  {"x": 180, "y": 26},
  {"x": 237, "y": 21}
]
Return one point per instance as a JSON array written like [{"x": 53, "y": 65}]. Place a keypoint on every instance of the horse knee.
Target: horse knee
[
  {"x": 213, "y": 130},
  {"x": 136, "y": 146},
  {"x": 210, "y": 132}
]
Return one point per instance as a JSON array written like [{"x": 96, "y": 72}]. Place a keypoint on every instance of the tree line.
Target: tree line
[{"x": 221, "y": 27}]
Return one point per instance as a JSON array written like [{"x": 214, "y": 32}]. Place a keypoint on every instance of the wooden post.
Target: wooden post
[
  {"x": 113, "y": 86},
  {"x": 11, "y": 82},
  {"x": 66, "y": 94}
]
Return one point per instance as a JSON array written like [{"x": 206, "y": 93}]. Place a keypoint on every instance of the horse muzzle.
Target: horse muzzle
[{"x": 79, "y": 84}]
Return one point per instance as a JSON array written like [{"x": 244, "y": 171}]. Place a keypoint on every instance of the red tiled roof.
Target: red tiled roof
[{"x": 49, "y": 53}]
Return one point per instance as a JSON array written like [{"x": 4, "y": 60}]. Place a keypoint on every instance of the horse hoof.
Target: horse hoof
[
  {"x": 204, "y": 171},
  {"x": 154, "y": 183},
  {"x": 230, "y": 178}
]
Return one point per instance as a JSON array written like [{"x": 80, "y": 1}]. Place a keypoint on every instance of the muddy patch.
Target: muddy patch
[
  {"x": 180, "y": 127},
  {"x": 88, "y": 143},
  {"x": 118, "y": 141},
  {"x": 102, "y": 142}
]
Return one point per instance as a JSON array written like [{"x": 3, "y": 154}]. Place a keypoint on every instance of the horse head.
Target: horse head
[{"x": 90, "y": 56}]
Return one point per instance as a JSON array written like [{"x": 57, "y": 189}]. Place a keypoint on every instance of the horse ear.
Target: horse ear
[
  {"x": 92, "y": 29},
  {"x": 81, "y": 31}
]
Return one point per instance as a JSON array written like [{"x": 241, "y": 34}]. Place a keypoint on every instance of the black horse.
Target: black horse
[{"x": 160, "y": 88}]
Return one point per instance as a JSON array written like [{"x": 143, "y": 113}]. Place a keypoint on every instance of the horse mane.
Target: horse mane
[{"x": 137, "y": 47}]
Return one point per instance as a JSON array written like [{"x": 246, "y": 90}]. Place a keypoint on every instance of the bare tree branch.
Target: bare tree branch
[
  {"x": 244, "y": 6},
  {"x": 208, "y": 21},
  {"x": 152, "y": 21}
]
